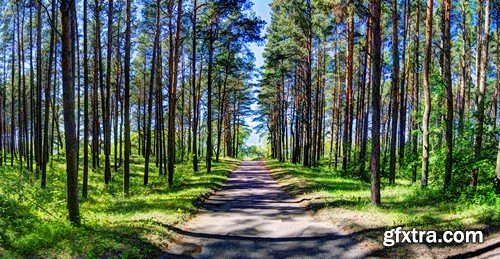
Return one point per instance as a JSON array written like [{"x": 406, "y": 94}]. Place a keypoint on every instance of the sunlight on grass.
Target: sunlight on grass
[
  {"x": 346, "y": 201},
  {"x": 33, "y": 220}
]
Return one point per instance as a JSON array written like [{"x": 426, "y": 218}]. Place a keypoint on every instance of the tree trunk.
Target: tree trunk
[
  {"x": 403, "y": 79},
  {"x": 416, "y": 94},
  {"x": 449, "y": 93},
  {"x": 464, "y": 77},
  {"x": 394, "y": 92},
  {"x": 497, "y": 172},
  {"x": 107, "y": 106},
  {"x": 97, "y": 78},
  {"x": 172, "y": 96},
  {"x": 69, "y": 112},
  {"x": 193, "y": 93},
  {"x": 376, "y": 76},
  {"x": 427, "y": 94},
  {"x": 126, "y": 99},
  {"x": 85, "y": 104},
  {"x": 308, "y": 96},
  {"x": 483, "y": 70},
  {"x": 209, "y": 100},
  {"x": 150, "y": 98}
]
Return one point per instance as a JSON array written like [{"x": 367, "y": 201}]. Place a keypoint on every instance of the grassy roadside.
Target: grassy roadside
[
  {"x": 33, "y": 220},
  {"x": 345, "y": 203}
]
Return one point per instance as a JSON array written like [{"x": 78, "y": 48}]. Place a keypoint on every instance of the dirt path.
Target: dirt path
[{"x": 252, "y": 218}]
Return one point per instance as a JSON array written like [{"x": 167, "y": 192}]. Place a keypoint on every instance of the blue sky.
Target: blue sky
[{"x": 263, "y": 10}]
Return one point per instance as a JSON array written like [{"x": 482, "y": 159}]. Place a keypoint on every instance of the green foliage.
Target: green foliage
[
  {"x": 402, "y": 204},
  {"x": 253, "y": 152},
  {"x": 33, "y": 220}
]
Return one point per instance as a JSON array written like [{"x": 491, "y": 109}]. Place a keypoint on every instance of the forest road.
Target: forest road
[{"x": 251, "y": 217}]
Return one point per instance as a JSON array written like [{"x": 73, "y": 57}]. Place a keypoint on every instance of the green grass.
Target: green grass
[
  {"x": 33, "y": 221},
  {"x": 346, "y": 201}
]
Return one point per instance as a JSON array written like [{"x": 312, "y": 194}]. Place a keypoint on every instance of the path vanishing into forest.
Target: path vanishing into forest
[{"x": 251, "y": 217}]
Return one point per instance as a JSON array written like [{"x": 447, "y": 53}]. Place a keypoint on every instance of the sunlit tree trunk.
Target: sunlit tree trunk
[{"x": 427, "y": 94}]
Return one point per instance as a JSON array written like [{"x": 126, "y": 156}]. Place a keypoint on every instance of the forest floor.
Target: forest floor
[
  {"x": 33, "y": 221},
  {"x": 251, "y": 217},
  {"x": 345, "y": 204}
]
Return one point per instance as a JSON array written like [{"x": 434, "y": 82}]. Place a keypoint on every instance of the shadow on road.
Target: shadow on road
[{"x": 251, "y": 217}]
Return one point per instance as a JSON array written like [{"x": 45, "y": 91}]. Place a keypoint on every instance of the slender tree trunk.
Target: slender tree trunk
[
  {"x": 416, "y": 94},
  {"x": 497, "y": 172},
  {"x": 12, "y": 102},
  {"x": 308, "y": 81},
  {"x": 209, "y": 98},
  {"x": 150, "y": 98},
  {"x": 376, "y": 75},
  {"x": 126, "y": 99},
  {"x": 403, "y": 79},
  {"x": 193, "y": 93},
  {"x": 38, "y": 112},
  {"x": 45, "y": 152},
  {"x": 85, "y": 103},
  {"x": 483, "y": 70},
  {"x": 464, "y": 77},
  {"x": 69, "y": 112},
  {"x": 172, "y": 97},
  {"x": 427, "y": 94},
  {"x": 107, "y": 106},
  {"x": 394, "y": 92},
  {"x": 32, "y": 104},
  {"x": 449, "y": 92},
  {"x": 97, "y": 81},
  {"x": 117, "y": 105}
]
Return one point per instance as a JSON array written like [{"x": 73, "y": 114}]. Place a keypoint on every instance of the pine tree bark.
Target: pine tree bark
[
  {"x": 211, "y": 41},
  {"x": 173, "y": 96},
  {"x": 107, "y": 106},
  {"x": 394, "y": 92},
  {"x": 85, "y": 103},
  {"x": 427, "y": 94},
  {"x": 38, "y": 99},
  {"x": 403, "y": 91},
  {"x": 483, "y": 69},
  {"x": 12, "y": 99},
  {"x": 464, "y": 75},
  {"x": 126, "y": 99},
  {"x": 45, "y": 149},
  {"x": 308, "y": 95},
  {"x": 193, "y": 86},
  {"x": 376, "y": 77},
  {"x": 71, "y": 138},
  {"x": 415, "y": 103},
  {"x": 497, "y": 172},
  {"x": 150, "y": 98},
  {"x": 449, "y": 93},
  {"x": 346, "y": 144},
  {"x": 97, "y": 81}
]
